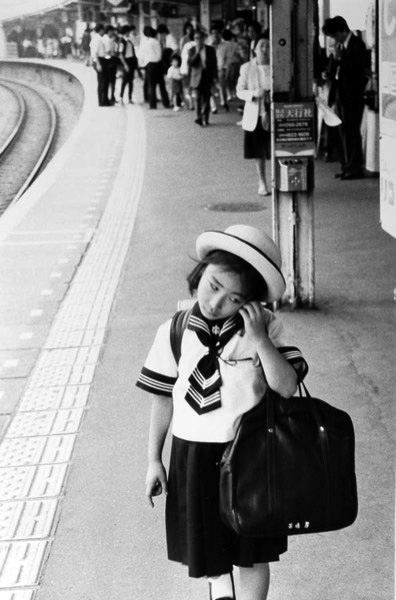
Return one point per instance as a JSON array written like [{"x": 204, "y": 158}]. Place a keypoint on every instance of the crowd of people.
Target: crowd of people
[
  {"x": 202, "y": 71},
  {"x": 205, "y": 71},
  {"x": 166, "y": 61}
]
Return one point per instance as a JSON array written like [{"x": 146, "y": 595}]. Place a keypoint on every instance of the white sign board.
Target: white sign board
[{"x": 387, "y": 56}]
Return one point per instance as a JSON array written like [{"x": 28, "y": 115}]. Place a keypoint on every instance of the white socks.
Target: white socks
[{"x": 221, "y": 586}]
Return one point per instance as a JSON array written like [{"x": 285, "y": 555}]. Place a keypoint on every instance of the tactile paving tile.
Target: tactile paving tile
[
  {"x": 21, "y": 520},
  {"x": 17, "y": 594},
  {"x": 40, "y": 481},
  {"x": 58, "y": 388},
  {"x": 68, "y": 356},
  {"x": 52, "y": 398},
  {"x": 45, "y": 423},
  {"x": 20, "y": 562},
  {"x": 36, "y": 450},
  {"x": 62, "y": 375},
  {"x": 75, "y": 337}
]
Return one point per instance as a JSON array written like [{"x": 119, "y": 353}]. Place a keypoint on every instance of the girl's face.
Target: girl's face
[{"x": 220, "y": 293}]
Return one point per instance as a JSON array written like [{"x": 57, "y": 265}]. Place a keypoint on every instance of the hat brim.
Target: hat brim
[{"x": 218, "y": 240}]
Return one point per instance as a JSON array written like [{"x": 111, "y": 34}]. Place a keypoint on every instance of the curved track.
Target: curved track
[{"x": 26, "y": 138}]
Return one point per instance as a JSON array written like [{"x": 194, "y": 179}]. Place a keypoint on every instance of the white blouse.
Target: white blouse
[{"x": 243, "y": 381}]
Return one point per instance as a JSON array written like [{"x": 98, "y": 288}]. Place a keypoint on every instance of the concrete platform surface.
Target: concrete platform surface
[{"x": 81, "y": 415}]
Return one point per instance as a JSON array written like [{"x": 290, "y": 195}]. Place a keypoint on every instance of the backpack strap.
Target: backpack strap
[{"x": 178, "y": 325}]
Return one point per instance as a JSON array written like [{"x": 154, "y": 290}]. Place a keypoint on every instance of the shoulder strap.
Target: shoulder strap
[{"x": 178, "y": 325}]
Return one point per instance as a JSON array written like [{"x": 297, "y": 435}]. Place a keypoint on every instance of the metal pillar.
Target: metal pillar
[{"x": 291, "y": 26}]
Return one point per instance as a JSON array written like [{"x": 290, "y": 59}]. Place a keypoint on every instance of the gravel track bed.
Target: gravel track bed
[
  {"x": 16, "y": 165},
  {"x": 9, "y": 113}
]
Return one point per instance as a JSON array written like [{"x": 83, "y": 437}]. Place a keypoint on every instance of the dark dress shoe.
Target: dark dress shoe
[
  {"x": 198, "y": 122},
  {"x": 347, "y": 176}
]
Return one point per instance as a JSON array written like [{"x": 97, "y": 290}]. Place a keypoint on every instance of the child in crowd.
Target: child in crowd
[
  {"x": 231, "y": 349},
  {"x": 175, "y": 77}
]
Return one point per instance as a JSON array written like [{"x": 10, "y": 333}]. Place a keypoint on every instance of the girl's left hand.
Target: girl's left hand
[{"x": 254, "y": 320}]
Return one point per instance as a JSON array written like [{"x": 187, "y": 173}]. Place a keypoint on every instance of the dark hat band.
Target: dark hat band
[{"x": 253, "y": 248}]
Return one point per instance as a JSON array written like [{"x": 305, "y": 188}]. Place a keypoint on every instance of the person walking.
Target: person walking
[
  {"x": 203, "y": 64},
  {"x": 231, "y": 349},
  {"x": 253, "y": 87},
  {"x": 350, "y": 82}
]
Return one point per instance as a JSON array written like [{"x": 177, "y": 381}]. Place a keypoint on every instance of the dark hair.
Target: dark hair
[
  {"x": 176, "y": 56},
  {"x": 162, "y": 28},
  {"x": 227, "y": 35},
  {"x": 255, "y": 25},
  {"x": 256, "y": 287},
  {"x": 335, "y": 25},
  {"x": 149, "y": 31},
  {"x": 186, "y": 26}
]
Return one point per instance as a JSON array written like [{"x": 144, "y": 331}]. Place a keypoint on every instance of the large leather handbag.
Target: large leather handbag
[{"x": 290, "y": 469}]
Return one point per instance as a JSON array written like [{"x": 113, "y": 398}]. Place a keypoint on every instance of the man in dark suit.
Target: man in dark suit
[
  {"x": 203, "y": 65},
  {"x": 350, "y": 82}
]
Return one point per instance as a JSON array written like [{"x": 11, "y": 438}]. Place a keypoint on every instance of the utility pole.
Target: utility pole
[{"x": 293, "y": 145}]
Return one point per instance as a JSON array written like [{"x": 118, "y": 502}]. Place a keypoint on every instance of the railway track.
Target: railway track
[{"x": 27, "y": 133}]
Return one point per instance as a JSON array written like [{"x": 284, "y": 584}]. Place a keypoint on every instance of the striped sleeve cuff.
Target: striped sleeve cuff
[
  {"x": 153, "y": 382},
  {"x": 296, "y": 359}
]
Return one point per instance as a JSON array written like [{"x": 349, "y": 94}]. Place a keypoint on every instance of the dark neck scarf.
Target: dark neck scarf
[{"x": 203, "y": 394}]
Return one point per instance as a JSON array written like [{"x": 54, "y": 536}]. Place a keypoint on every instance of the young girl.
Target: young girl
[
  {"x": 175, "y": 77},
  {"x": 231, "y": 350}
]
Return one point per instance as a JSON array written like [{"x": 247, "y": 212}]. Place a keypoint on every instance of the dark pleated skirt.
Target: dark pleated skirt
[
  {"x": 257, "y": 143},
  {"x": 196, "y": 536}
]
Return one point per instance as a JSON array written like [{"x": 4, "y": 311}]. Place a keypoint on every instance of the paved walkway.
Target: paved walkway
[{"x": 108, "y": 543}]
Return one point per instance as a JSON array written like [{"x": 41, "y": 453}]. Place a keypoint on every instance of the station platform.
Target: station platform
[{"x": 92, "y": 260}]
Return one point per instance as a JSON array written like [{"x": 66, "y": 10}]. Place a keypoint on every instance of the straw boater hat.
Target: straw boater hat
[{"x": 255, "y": 247}]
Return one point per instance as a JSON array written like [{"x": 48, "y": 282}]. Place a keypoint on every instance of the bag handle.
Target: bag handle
[{"x": 315, "y": 413}]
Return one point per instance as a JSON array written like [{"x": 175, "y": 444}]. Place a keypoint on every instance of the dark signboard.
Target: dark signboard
[{"x": 294, "y": 128}]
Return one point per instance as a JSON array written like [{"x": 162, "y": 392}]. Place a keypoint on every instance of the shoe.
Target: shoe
[
  {"x": 213, "y": 111},
  {"x": 198, "y": 122},
  {"x": 226, "y": 107},
  {"x": 223, "y": 597},
  {"x": 339, "y": 175},
  {"x": 262, "y": 191},
  {"x": 348, "y": 176},
  {"x": 176, "y": 108}
]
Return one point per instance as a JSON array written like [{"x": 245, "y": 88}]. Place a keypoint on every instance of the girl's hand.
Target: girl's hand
[
  {"x": 156, "y": 482},
  {"x": 254, "y": 320}
]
